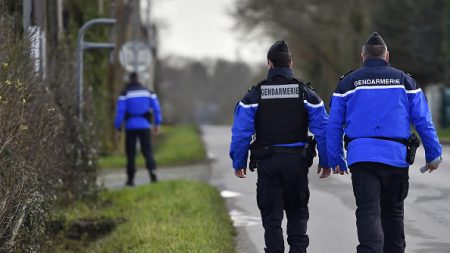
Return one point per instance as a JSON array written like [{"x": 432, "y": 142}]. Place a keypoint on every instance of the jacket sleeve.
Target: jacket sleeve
[
  {"x": 422, "y": 121},
  {"x": 243, "y": 129},
  {"x": 120, "y": 111},
  {"x": 154, "y": 104},
  {"x": 335, "y": 132},
  {"x": 317, "y": 123}
]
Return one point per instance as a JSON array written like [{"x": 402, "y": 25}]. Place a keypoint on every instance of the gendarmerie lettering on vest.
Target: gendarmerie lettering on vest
[{"x": 279, "y": 91}]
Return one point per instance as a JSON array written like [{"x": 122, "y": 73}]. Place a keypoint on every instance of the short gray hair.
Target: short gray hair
[{"x": 374, "y": 51}]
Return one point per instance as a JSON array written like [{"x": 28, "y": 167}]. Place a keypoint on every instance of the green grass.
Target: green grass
[
  {"x": 170, "y": 216},
  {"x": 444, "y": 134},
  {"x": 177, "y": 145}
]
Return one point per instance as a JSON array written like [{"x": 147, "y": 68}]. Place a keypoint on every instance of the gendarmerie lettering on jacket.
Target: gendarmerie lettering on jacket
[
  {"x": 383, "y": 81},
  {"x": 280, "y": 91}
]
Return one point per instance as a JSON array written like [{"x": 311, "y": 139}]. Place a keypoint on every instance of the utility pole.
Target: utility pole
[
  {"x": 53, "y": 29},
  {"x": 60, "y": 8},
  {"x": 34, "y": 13},
  {"x": 447, "y": 42},
  {"x": 116, "y": 82},
  {"x": 27, "y": 8},
  {"x": 100, "y": 7}
]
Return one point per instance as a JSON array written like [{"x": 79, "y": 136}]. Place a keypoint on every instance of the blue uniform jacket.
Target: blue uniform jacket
[
  {"x": 378, "y": 100},
  {"x": 244, "y": 123},
  {"x": 135, "y": 101}
]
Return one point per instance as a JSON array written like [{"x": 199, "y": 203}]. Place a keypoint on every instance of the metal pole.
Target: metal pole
[
  {"x": 81, "y": 46},
  {"x": 447, "y": 42},
  {"x": 59, "y": 18},
  {"x": 27, "y": 6}
]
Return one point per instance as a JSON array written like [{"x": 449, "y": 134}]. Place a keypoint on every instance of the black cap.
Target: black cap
[
  {"x": 279, "y": 54},
  {"x": 133, "y": 77},
  {"x": 375, "y": 40}
]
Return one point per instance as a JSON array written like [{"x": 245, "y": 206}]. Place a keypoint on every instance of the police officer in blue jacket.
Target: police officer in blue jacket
[
  {"x": 135, "y": 107},
  {"x": 374, "y": 107},
  {"x": 280, "y": 110}
]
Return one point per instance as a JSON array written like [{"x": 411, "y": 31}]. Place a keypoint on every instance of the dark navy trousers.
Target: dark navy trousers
[
  {"x": 282, "y": 185},
  {"x": 131, "y": 137},
  {"x": 380, "y": 191}
]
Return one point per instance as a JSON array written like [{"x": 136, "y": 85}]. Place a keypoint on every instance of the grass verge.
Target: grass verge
[
  {"x": 177, "y": 145},
  {"x": 444, "y": 134},
  {"x": 170, "y": 216}
]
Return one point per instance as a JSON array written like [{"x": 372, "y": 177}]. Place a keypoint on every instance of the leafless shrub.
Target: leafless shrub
[
  {"x": 29, "y": 129},
  {"x": 46, "y": 155},
  {"x": 78, "y": 140}
]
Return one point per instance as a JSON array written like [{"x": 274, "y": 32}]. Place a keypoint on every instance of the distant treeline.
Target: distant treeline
[
  {"x": 326, "y": 36},
  {"x": 203, "y": 91}
]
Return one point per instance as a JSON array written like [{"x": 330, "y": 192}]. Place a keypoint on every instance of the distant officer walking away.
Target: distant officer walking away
[
  {"x": 374, "y": 107},
  {"x": 279, "y": 111},
  {"x": 136, "y": 106}
]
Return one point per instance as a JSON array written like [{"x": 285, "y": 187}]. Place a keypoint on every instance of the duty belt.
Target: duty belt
[
  {"x": 347, "y": 139},
  {"x": 411, "y": 144},
  {"x": 289, "y": 150},
  {"x": 145, "y": 115}
]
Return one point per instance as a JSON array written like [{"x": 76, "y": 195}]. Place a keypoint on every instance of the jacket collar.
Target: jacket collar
[
  {"x": 134, "y": 84},
  {"x": 375, "y": 62},
  {"x": 284, "y": 72}
]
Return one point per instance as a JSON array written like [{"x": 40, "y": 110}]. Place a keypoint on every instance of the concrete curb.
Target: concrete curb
[{"x": 115, "y": 179}]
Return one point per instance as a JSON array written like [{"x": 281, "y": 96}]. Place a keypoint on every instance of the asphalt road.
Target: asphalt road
[{"x": 332, "y": 220}]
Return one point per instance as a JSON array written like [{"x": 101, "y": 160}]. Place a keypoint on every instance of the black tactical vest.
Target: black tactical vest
[{"x": 281, "y": 117}]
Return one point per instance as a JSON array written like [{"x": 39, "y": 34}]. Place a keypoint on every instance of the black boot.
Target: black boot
[
  {"x": 130, "y": 182},
  {"x": 153, "y": 177}
]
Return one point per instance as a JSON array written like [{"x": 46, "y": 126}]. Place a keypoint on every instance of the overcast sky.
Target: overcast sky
[{"x": 204, "y": 28}]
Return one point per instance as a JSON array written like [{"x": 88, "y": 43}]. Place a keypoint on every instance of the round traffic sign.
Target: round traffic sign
[{"x": 135, "y": 56}]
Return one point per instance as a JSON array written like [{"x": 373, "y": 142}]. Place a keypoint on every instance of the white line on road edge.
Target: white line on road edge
[
  {"x": 240, "y": 219},
  {"x": 229, "y": 194}
]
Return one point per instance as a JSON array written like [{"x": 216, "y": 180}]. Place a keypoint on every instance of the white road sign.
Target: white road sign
[{"x": 135, "y": 56}]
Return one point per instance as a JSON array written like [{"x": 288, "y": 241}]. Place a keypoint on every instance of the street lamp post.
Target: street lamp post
[{"x": 81, "y": 46}]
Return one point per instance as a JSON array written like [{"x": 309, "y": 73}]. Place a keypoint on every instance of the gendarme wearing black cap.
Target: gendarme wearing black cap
[
  {"x": 279, "y": 54},
  {"x": 375, "y": 47},
  {"x": 278, "y": 112},
  {"x": 378, "y": 104}
]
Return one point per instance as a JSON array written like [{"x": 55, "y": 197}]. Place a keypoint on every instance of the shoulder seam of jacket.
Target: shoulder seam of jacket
[
  {"x": 313, "y": 105},
  {"x": 376, "y": 88},
  {"x": 248, "y": 105}
]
